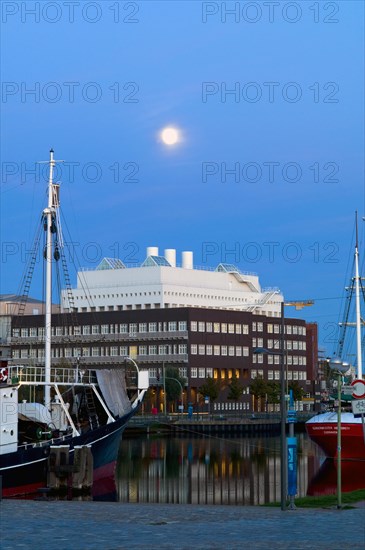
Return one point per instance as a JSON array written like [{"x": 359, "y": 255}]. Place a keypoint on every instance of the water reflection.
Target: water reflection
[
  {"x": 325, "y": 480},
  {"x": 241, "y": 471}
]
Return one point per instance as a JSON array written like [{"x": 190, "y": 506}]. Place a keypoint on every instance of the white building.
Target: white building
[{"x": 159, "y": 283}]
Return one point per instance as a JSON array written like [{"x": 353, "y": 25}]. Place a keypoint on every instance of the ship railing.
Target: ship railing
[{"x": 61, "y": 376}]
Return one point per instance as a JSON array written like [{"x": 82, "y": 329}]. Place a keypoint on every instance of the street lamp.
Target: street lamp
[{"x": 340, "y": 368}]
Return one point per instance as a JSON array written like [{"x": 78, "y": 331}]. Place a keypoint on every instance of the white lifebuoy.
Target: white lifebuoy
[{"x": 3, "y": 375}]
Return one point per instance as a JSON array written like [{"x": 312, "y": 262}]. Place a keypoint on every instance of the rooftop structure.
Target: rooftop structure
[{"x": 159, "y": 283}]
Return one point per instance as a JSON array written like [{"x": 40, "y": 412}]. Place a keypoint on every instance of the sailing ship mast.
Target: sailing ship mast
[
  {"x": 358, "y": 313},
  {"x": 49, "y": 215}
]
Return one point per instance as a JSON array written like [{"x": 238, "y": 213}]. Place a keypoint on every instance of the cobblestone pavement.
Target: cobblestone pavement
[{"x": 115, "y": 526}]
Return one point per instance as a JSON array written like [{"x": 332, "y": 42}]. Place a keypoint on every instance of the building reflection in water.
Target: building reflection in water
[{"x": 241, "y": 471}]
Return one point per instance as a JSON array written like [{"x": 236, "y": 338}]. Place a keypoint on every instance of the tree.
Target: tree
[
  {"x": 173, "y": 384},
  {"x": 258, "y": 388},
  {"x": 235, "y": 389},
  {"x": 273, "y": 392},
  {"x": 298, "y": 391},
  {"x": 210, "y": 389}
]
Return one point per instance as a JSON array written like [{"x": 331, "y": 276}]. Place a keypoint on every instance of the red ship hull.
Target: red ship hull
[{"x": 324, "y": 434}]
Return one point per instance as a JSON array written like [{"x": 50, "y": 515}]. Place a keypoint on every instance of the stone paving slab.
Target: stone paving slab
[{"x": 65, "y": 525}]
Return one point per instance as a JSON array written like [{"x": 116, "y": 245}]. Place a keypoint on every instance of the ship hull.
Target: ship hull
[
  {"x": 25, "y": 471},
  {"x": 323, "y": 431}
]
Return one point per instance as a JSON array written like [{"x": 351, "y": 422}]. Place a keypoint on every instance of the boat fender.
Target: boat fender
[{"x": 3, "y": 375}]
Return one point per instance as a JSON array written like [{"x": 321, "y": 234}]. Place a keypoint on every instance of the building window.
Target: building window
[
  {"x": 270, "y": 375},
  {"x": 86, "y": 330},
  {"x": 231, "y": 351},
  {"x": 276, "y": 329},
  {"x": 172, "y": 326},
  {"x": 193, "y": 326},
  {"x": 183, "y": 325},
  {"x": 201, "y": 349},
  {"x": 33, "y": 353},
  {"x": 142, "y": 350},
  {"x": 209, "y": 350},
  {"x": 245, "y": 351},
  {"x": 16, "y": 332},
  {"x": 216, "y": 327},
  {"x": 224, "y": 328},
  {"x": 238, "y": 329},
  {"x": 32, "y": 332},
  {"x": 253, "y": 374},
  {"x": 77, "y": 352},
  {"x": 59, "y": 331},
  {"x": 209, "y": 372},
  {"x": 260, "y": 357},
  {"x": 201, "y": 326},
  {"x": 114, "y": 351},
  {"x": 104, "y": 329},
  {"x": 270, "y": 359},
  {"x": 260, "y": 342},
  {"x": 133, "y": 329},
  {"x": 24, "y": 354},
  {"x": 24, "y": 332},
  {"x": 254, "y": 326},
  {"x": 142, "y": 327},
  {"x": 152, "y": 327},
  {"x": 193, "y": 349},
  {"x": 123, "y": 328},
  {"x": 277, "y": 375},
  {"x": 95, "y": 329},
  {"x": 288, "y": 329},
  {"x": 270, "y": 328},
  {"x": 201, "y": 373},
  {"x": 260, "y": 327},
  {"x": 86, "y": 352},
  {"x": 152, "y": 350},
  {"x": 95, "y": 352},
  {"x": 238, "y": 351},
  {"x": 68, "y": 352},
  {"x": 217, "y": 350},
  {"x": 123, "y": 351},
  {"x": 183, "y": 348},
  {"x": 194, "y": 372},
  {"x": 224, "y": 350},
  {"x": 209, "y": 327},
  {"x": 163, "y": 349},
  {"x": 183, "y": 372},
  {"x": 231, "y": 328},
  {"x": 245, "y": 329}
]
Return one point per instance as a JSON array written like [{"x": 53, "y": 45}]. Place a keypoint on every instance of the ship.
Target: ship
[
  {"x": 323, "y": 428},
  {"x": 80, "y": 408}
]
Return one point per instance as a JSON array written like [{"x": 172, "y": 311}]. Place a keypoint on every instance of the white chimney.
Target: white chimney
[
  {"x": 170, "y": 255},
  {"x": 152, "y": 251},
  {"x": 187, "y": 260}
]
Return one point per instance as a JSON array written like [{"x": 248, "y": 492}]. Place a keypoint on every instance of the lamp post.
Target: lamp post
[
  {"x": 283, "y": 446},
  {"x": 340, "y": 368}
]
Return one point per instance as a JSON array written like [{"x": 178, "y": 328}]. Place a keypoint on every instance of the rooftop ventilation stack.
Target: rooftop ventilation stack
[
  {"x": 170, "y": 256},
  {"x": 187, "y": 260},
  {"x": 152, "y": 251}
]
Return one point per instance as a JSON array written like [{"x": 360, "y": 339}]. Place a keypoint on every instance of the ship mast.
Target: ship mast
[
  {"x": 358, "y": 313},
  {"x": 48, "y": 213}
]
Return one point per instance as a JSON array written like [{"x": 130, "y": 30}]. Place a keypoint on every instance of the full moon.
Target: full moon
[{"x": 170, "y": 136}]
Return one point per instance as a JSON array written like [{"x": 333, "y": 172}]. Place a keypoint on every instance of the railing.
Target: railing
[{"x": 36, "y": 375}]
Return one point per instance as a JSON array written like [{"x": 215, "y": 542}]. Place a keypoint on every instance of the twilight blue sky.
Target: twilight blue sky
[{"x": 108, "y": 76}]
